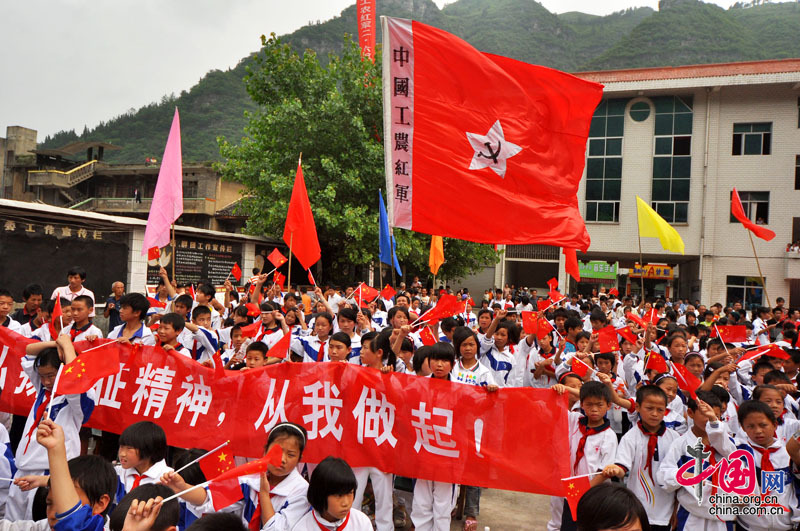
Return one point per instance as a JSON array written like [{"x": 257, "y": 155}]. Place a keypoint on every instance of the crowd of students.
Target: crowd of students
[{"x": 632, "y": 419}]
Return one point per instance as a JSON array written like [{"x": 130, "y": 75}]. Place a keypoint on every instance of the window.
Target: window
[
  {"x": 190, "y": 189},
  {"x": 604, "y": 161},
  {"x": 672, "y": 157},
  {"x": 640, "y": 111},
  {"x": 797, "y": 172},
  {"x": 752, "y": 139},
  {"x": 747, "y": 290},
  {"x": 755, "y": 206}
]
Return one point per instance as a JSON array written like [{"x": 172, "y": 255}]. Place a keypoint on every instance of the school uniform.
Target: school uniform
[
  {"x": 591, "y": 450},
  {"x": 691, "y": 514},
  {"x": 470, "y": 320},
  {"x": 354, "y": 521},
  {"x": 216, "y": 318},
  {"x": 355, "y": 348},
  {"x": 382, "y": 487},
  {"x": 68, "y": 411},
  {"x": 379, "y": 320},
  {"x": 180, "y": 349},
  {"x": 128, "y": 478},
  {"x": 501, "y": 363},
  {"x": 675, "y": 420},
  {"x": 81, "y": 333},
  {"x": 143, "y": 336},
  {"x": 204, "y": 345},
  {"x": 479, "y": 375},
  {"x": 12, "y": 325},
  {"x": 269, "y": 336},
  {"x": 760, "y": 331},
  {"x": 311, "y": 348},
  {"x": 79, "y": 518},
  {"x": 7, "y": 467},
  {"x": 641, "y": 453},
  {"x": 27, "y": 329},
  {"x": 432, "y": 504},
  {"x": 45, "y": 333}
]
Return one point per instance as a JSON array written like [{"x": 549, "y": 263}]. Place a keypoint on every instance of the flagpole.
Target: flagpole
[
  {"x": 641, "y": 265},
  {"x": 173, "y": 251},
  {"x": 391, "y": 245},
  {"x": 758, "y": 264},
  {"x": 187, "y": 465},
  {"x": 289, "y": 278}
]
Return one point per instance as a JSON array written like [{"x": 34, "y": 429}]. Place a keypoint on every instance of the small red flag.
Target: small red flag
[
  {"x": 580, "y": 367},
  {"x": 471, "y": 301},
  {"x": 83, "y": 372},
  {"x": 571, "y": 264},
  {"x": 155, "y": 303},
  {"x": 222, "y": 485},
  {"x": 738, "y": 212},
  {"x": 772, "y": 350},
  {"x": 311, "y": 279},
  {"x": 388, "y": 292},
  {"x": 281, "y": 348},
  {"x": 223, "y": 493},
  {"x": 552, "y": 284},
  {"x": 544, "y": 327},
  {"x": 279, "y": 279},
  {"x": 652, "y": 316},
  {"x": 529, "y": 324},
  {"x": 543, "y": 304},
  {"x": 614, "y": 292},
  {"x": 300, "y": 233},
  {"x": 636, "y": 319},
  {"x": 427, "y": 337},
  {"x": 607, "y": 339},
  {"x": 236, "y": 271},
  {"x": 251, "y": 330},
  {"x": 655, "y": 361},
  {"x": 190, "y": 290},
  {"x": 626, "y": 332},
  {"x": 153, "y": 253},
  {"x": 365, "y": 293},
  {"x": 276, "y": 258},
  {"x": 574, "y": 489},
  {"x": 57, "y": 312},
  {"x": 555, "y": 296},
  {"x": 252, "y": 309},
  {"x": 686, "y": 380},
  {"x": 730, "y": 333}
]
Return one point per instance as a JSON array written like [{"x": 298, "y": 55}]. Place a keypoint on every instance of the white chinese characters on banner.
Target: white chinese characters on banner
[
  {"x": 327, "y": 407},
  {"x": 272, "y": 412},
  {"x": 196, "y": 399},
  {"x": 107, "y": 388},
  {"x": 430, "y": 436},
  {"x": 154, "y": 386},
  {"x": 375, "y": 418},
  {"x": 25, "y": 385}
]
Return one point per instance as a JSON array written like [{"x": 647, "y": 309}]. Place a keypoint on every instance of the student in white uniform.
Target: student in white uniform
[
  {"x": 498, "y": 350},
  {"x": 81, "y": 327},
  {"x": 133, "y": 310},
  {"x": 141, "y": 457},
  {"x": 330, "y": 493}
]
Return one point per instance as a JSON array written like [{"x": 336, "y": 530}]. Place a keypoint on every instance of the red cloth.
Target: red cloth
[
  {"x": 236, "y": 271},
  {"x": 155, "y": 303},
  {"x": 766, "y": 464},
  {"x": 224, "y": 493},
  {"x": 137, "y": 479},
  {"x": 652, "y": 444},
  {"x": 571, "y": 264},
  {"x": 366, "y": 29},
  {"x": 388, "y": 292},
  {"x": 311, "y": 279},
  {"x": 427, "y": 337},
  {"x": 628, "y": 334},
  {"x": 738, "y": 212},
  {"x": 281, "y": 348},
  {"x": 686, "y": 380},
  {"x": 300, "y": 233},
  {"x": 772, "y": 350},
  {"x": 586, "y": 432},
  {"x": 607, "y": 339},
  {"x": 84, "y": 371},
  {"x": 542, "y": 112},
  {"x": 40, "y": 411},
  {"x": 574, "y": 489},
  {"x": 730, "y": 333},
  {"x": 655, "y": 361},
  {"x": 251, "y": 330},
  {"x": 276, "y": 258},
  {"x": 153, "y": 253}
]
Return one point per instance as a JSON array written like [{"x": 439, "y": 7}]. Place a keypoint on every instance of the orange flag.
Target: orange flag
[
  {"x": 437, "y": 254},
  {"x": 300, "y": 233}
]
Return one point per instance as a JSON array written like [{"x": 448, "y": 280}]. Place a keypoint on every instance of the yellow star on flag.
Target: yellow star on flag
[{"x": 223, "y": 457}]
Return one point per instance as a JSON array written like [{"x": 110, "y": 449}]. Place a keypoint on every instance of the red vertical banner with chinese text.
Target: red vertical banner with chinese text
[{"x": 365, "y": 14}]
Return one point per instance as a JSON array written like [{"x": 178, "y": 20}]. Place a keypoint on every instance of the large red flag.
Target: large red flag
[
  {"x": 82, "y": 373},
  {"x": 365, "y": 11},
  {"x": 492, "y": 129},
  {"x": 571, "y": 264},
  {"x": 300, "y": 233},
  {"x": 738, "y": 212}
]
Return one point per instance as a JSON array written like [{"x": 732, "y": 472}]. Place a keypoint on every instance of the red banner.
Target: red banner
[
  {"x": 365, "y": 13},
  {"x": 403, "y": 424}
]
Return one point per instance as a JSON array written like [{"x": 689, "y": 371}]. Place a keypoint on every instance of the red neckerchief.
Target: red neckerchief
[
  {"x": 75, "y": 332},
  {"x": 586, "y": 431},
  {"x": 323, "y": 528},
  {"x": 712, "y": 461},
  {"x": 766, "y": 464},
  {"x": 40, "y": 411},
  {"x": 255, "y": 520},
  {"x": 652, "y": 444},
  {"x": 780, "y": 418}
]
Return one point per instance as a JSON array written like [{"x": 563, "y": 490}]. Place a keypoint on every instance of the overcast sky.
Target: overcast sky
[{"x": 70, "y": 63}]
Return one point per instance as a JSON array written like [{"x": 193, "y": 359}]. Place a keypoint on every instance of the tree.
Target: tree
[{"x": 333, "y": 115}]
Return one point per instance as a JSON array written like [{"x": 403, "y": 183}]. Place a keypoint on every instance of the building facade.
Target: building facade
[{"x": 682, "y": 138}]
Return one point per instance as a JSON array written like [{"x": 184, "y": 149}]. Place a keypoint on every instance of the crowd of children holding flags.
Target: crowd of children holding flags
[{"x": 650, "y": 388}]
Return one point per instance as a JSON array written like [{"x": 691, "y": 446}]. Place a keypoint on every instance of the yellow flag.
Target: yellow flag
[
  {"x": 437, "y": 254},
  {"x": 651, "y": 225}
]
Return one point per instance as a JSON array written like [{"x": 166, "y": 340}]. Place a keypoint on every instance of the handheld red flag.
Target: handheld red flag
[
  {"x": 281, "y": 348},
  {"x": 738, "y": 212},
  {"x": 543, "y": 304},
  {"x": 772, "y": 350},
  {"x": 279, "y": 279},
  {"x": 655, "y": 361},
  {"x": 555, "y": 296},
  {"x": 276, "y": 258},
  {"x": 571, "y": 264},
  {"x": 580, "y": 367},
  {"x": 529, "y": 324},
  {"x": 652, "y": 316},
  {"x": 626, "y": 332},
  {"x": 471, "y": 301},
  {"x": 190, "y": 291},
  {"x": 84, "y": 371},
  {"x": 636, "y": 319},
  {"x": 516, "y": 140},
  {"x": 552, "y": 284},
  {"x": 300, "y": 233},
  {"x": 614, "y": 292},
  {"x": 155, "y": 303},
  {"x": 153, "y": 253},
  {"x": 236, "y": 271},
  {"x": 223, "y": 493},
  {"x": 311, "y": 279},
  {"x": 222, "y": 485},
  {"x": 543, "y": 327},
  {"x": 251, "y": 330},
  {"x": 366, "y": 293},
  {"x": 730, "y": 333},
  {"x": 427, "y": 337},
  {"x": 56, "y": 317},
  {"x": 388, "y": 292},
  {"x": 574, "y": 489},
  {"x": 686, "y": 380},
  {"x": 252, "y": 309},
  {"x": 607, "y": 339}
]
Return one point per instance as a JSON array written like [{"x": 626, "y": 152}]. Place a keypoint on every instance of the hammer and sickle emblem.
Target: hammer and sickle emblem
[{"x": 492, "y": 154}]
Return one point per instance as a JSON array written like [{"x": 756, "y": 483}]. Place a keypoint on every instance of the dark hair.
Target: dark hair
[
  {"x": 710, "y": 368},
  {"x": 30, "y": 290},
  {"x": 754, "y": 406},
  {"x": 206, "y": 290},
  {"x": 511, "y": 329},
  {"x": 146, "y": 437},
  {"x": 461, "y": 334},
  {"x": 759, "y": 390},
  {"x": 173, "y": 319},
  {"x": 48, "y": 358},
  {"x": 267, "y": 306},
  {"x": 761, "y": 364},
  {"x": 258, "y": 346},
  {"x": 326, "y": 316},
  {"x": 598, "y": 315},
  {"x": 383, "y": 341},
  {"x": 192, "y": 474},
  {"x": 184, "y": 300},
  {"x": 420, "y": 355},
  {"x": 671, "y": 339},
  {"x": 572, "y": 323},
  {"x": 200, "y": 311},
  {"x": 341, "y": 337},
  {"x": 347, "y": 313},
  {"x": 77, "y": 270},
  {"x": 650, "y": 391},
  {"x": 369, "y": 337},
  {"x": 137, "y": 303},
  {"x": 288, "y": 429},
  {"x": 691, "y": 356},
  {"x": 394, "y": 310},
  {"x": 776, "y": 376},
  {"x": 167, "y": 517},
  {"x": 288, "y": 296},
  {"x": 720, "y": 392},
  {"x": 51, "y": 304},
  {"x": 442, "y": 351},
  {"x": 449, "y": 323},
  {"x": 610, "y": 506},
  {"x": 794, "y": 354},
  {"x": 706, "y": 396},
  {"x": 216, "y": 522},
  {"x": 332, "y": 476},
  {"x": 95, "y": 476},
  {"x": 596, "y": 390},
  {"x": 570, "y": 374},
  {"x": 583, "y": 335},
  {"x": 608, "y": 356},
  {"x": 87, "y": 300}
]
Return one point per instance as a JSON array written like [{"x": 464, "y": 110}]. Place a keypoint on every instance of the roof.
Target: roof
[
  {"x": 230, "y": 210},
  {"x": 10, "y": 208},
  {"x": 743, "y": 73}
]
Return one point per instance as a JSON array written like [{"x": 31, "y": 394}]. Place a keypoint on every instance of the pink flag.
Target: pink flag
[{"x": 167, "y": 205}]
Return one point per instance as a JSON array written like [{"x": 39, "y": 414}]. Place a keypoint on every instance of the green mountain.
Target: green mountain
[{"x": 680, "y": 32}]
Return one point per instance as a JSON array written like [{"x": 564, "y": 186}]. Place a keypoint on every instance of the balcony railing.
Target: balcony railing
[
  {"x": 62, "y": 179},
  {"x": 792, "y": 265},
  {"x": 197, "y": 205}
]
